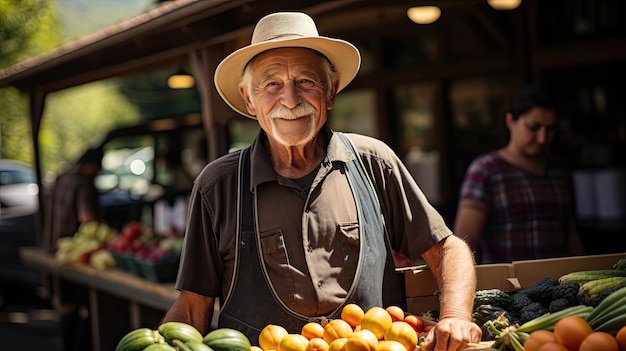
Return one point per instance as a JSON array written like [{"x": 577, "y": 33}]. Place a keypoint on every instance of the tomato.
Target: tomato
[
  {"x": 312, "y": 330},
  {"x": 396, "y": 313},
  {"x": 620, "y": 337},
  {"x": 571, "y": 330},
  {"x": 391, "y": 345},
  {"x": 416, "y": 322},
  {"x": 537, "y": 338},
  {"x": 270, "y": 336},
  {"x": 403, "y": 333},
  {"x": 552, "y": 346},
  {"x": 353, "y": 314},
  {"x": 597, "y": 341},
  {"x": 293, "y": 342},
  {"x": 378, "y": 320},
  {"x": 336, "y": 329},
  {"x": 363, "y": 340},
  {"x": 317, "y": 344},
  {"x": 338, "y": 344}
]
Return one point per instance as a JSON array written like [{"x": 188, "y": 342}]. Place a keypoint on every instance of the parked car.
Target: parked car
[{"x": 18, "y": 208}]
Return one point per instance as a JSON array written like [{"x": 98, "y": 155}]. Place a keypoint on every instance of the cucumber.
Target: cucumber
[
  {"x": 137, "y": 340},
  {"x": 226, "y": 339}
]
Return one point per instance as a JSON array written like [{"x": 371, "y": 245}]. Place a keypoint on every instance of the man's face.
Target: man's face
[
  {"x": 533, "y": 131},
  {"x": 289, "y": 94}
]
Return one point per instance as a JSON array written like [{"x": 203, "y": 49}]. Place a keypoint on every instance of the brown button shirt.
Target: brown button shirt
[{"x": 309, "y": 241}]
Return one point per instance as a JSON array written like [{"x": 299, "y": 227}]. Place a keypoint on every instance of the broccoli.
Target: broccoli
[
  {"x": 519, "y": 301},
  {"x": 532, "y": 311},
  {"x": 568, "y": 291},
  {"x": 542, "y": 290},
  {"x": 558, "y": 304}
]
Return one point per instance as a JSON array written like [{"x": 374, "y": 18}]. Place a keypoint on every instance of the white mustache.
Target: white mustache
[{"x": 301, "y": 110}]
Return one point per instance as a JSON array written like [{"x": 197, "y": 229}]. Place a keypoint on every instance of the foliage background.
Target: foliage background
[{"x": 74, "y": 118}]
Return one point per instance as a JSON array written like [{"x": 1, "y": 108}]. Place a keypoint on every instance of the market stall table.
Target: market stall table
[{"x": 119, "y": 301}]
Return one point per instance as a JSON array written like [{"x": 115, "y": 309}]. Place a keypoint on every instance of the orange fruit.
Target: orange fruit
[
  {"x": 396, "y": 313},
  {"x": 338, "y": 344},
  {"x": 377, "y": 320},
  {"x": 620, "y": 337},
  {"x": 538, "y": 338},
  {"x": 552, "y": 346},
  {"x": 270, "y": 336},
  {"x": 255, "y": 348},
  {"x": 403, "y": 333},
  {"x": 317, "y": 344},
  {"x": 391, "y": 345},
  {"x": 571, "y": 330},
  {"x": 336, "y": 329},
  {"x": 312, "y": 330},
  {"x": 363, "y": 340},
  {"x": 599, "y": 340},
  {"x": 415, "y": 322},
  {"x": 353, "y": 314},
  {"x": 293, "y": 342}
]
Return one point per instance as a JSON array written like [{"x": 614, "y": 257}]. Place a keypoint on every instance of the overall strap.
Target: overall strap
[{"x": 393, "y": 283}]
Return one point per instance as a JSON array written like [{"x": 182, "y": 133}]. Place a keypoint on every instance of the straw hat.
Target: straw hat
[{"x": 281, "y": 30}]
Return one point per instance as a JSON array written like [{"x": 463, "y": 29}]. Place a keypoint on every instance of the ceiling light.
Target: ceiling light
[
  {"x": 424, "y": 14},
  {"x": 504, "y": 4},
  {"x": 181, "y": 80}
]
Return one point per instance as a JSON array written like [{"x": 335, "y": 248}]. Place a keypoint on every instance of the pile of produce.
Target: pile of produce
[
  {"x": 140, "y": 242},
  {"x": 377, "y": 329},
  {"x": 177, "y": 336},
  {"x": 87, "y": 246},
  {"x": 585, "y": 303},
  {"x": 580, "y": 311}
]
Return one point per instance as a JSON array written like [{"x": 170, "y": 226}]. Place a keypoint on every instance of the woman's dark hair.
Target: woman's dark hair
[{"x": 527, "y": 97}]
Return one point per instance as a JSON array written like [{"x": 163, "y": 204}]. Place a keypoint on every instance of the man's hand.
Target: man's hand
[{"x": 452, "y": 334}]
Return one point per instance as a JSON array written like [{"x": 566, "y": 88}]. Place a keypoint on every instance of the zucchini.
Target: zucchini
[
  {"x": 226, "y": 339},
  {"x": 179, "y": 331},
  {"x": 159, "y": 347},
  {"x": 493, "y": 297},
  {"x": 137, "y": 340},
  {"x": 582, "y": 277}
]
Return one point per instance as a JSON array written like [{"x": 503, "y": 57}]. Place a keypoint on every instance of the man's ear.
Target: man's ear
[
  {"x": 246, "y": 98},
  {"x": 332, "y": 94}
]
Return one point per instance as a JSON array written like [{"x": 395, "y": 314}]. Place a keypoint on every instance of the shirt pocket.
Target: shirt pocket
[
  {"x": 349, "y": 233},
  {"x": 349, "y": 237},
  {"x": 273, "y": 249}
]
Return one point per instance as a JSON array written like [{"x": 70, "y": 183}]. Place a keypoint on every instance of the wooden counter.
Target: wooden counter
[{"x": 119, "y": 301}]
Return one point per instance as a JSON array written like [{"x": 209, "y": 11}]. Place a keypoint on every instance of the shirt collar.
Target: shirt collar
[{"x": 261, "y": 165}]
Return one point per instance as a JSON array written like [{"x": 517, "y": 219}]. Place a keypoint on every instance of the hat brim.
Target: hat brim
[{"x": 343, "y": 55}]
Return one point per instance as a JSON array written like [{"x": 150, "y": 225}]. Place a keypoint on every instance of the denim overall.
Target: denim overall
[{"x": 252, "y": 303}]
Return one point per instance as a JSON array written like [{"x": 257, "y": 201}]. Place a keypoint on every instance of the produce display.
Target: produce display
[
  {"x": 87, "y": 245},
  {"x": 135, "y": 249},
  {"x": 561, "y": 313},
  {"x": 580, "y": 311},
  {"x": 177, "y": 336}
]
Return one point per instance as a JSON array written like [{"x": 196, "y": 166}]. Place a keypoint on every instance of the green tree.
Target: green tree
[
  {"x": 74, "y": 118},
  {"x": 78, "y": 118},
  {"x": 27, "y": 28}
]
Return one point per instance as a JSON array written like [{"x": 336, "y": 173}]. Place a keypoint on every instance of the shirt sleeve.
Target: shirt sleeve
[
  {"x": 199, "y": 267},
  {"x": 475, "y": 185},
  {"x": 413, "y": 224}
]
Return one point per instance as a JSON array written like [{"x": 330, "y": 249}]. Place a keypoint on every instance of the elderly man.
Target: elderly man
[{"x": 303, "y": 221}]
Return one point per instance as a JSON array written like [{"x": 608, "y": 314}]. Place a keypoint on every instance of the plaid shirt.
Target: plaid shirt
[{"x": 527, "y": 214}]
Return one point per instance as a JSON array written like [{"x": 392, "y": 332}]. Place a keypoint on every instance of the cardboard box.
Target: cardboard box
[
  {"x": 422, "y": 290},
  {"x": 529, "y": 272}
]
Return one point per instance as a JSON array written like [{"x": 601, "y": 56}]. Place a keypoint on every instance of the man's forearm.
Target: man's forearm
[
  {"x": 457, "y": 279},
  {"x": 195, "y": 312}
]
